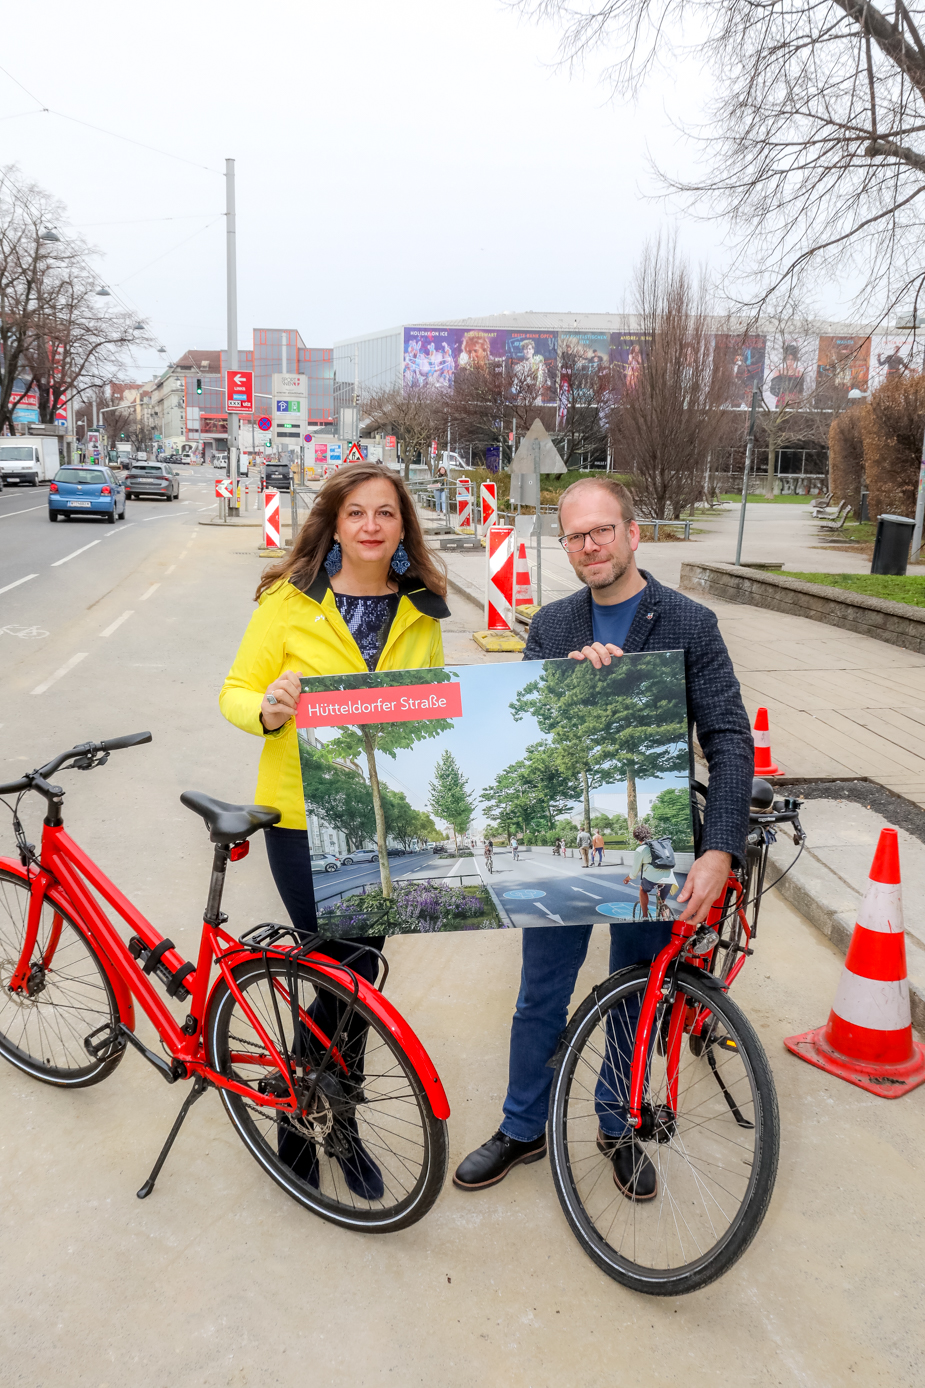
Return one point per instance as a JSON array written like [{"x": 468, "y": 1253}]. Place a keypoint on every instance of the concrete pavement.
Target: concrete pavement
[{"x": 219, "y": 1279}]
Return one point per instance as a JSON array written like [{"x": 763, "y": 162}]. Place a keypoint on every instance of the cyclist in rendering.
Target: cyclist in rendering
[
  {"x": 653, "y": 879},
  {"x": 619, "y": 609}
]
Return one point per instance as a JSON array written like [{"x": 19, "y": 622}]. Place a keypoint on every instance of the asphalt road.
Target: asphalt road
[{"x": 542, "y": 889}]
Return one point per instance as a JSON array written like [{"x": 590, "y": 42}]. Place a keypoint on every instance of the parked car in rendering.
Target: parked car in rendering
[
  {"x": 360, "y": 855},
  {"x": 325, "y": 862},
  {"x": 88, "y": 491},
  {"x": 152, "y": 479}
]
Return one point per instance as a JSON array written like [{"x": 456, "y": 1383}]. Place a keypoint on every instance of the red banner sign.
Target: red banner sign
[
  {"x": 239, "y": 392},
  {"x": 403, "y": 704}
]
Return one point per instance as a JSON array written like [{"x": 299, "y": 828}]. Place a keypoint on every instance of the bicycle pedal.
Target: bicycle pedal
[{"x": 111, "y": 1042}]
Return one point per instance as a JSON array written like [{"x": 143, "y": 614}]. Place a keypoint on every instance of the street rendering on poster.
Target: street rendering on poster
[{"x": 407, "y": 782}]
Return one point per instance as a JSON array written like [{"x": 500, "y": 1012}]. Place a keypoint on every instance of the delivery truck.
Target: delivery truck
[{"x": 28, "y": 461}]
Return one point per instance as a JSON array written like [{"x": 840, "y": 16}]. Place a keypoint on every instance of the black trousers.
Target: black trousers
[{"x": 290, "y": 863}]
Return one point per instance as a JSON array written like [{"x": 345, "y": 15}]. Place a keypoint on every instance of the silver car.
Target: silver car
[
  {"x": 325, "y": 862},
  {"x": 361, "y": 855}
]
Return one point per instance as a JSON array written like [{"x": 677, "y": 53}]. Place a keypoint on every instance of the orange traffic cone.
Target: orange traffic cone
[
  {"x": 523, "y": 589},
  {"x": 764, "y": 765},
  {"x": 868, "y": 1037}
]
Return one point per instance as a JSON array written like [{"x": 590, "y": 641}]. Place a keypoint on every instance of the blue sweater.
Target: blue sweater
[{"x": 668, "y": 621}]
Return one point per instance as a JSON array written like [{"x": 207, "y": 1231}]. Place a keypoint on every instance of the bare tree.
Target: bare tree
[
  {"x": 415, "y": 414},
  {"x": 25, "y": 211},
  {"x": 584, "y": 404},
  {"x": 671, "y": 417},
  {"x": 814, "y": 140}
]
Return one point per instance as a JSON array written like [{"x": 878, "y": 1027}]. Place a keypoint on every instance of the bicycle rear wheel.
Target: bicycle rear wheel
[
  {"x": 715, "y": 1157},
  {"x": 68, "y": 995},
  {"x": 367, "y": 1153}
]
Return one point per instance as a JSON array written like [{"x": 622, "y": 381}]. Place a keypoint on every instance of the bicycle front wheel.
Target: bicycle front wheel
[
  {"x": 365, "y": 1150},
  {"x": 715, "y": 1154},
  {"x": 68, "y": 995}
]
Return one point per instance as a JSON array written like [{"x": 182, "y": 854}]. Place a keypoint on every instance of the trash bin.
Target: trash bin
[
  {"x": 864, "y": 517},
  {"x": 892, "y": 545}
]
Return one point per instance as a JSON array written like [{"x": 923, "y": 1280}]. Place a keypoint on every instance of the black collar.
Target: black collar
[{"x": 427, "y": 603}]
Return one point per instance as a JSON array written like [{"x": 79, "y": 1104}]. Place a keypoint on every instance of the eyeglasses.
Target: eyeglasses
[{"x": 601, "y": 535}]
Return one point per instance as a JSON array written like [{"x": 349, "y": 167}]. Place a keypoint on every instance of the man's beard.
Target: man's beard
[{"x": 605, "y": 577}]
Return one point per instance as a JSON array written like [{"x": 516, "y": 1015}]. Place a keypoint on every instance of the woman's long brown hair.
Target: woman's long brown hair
[{"x": 302, "y": 564}]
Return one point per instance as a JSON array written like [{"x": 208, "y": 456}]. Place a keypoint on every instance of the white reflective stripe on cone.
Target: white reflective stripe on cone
[
  {"x": 873, "y": 1003},
  {"x": 882, "y": 908},
  {"x": 762, "y": 739}
]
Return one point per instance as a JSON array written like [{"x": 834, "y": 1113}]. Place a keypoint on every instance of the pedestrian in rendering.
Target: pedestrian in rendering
[
  {"x": 619, "y": 609},
  {"x": 597, "y": 847},
  {"x": 359, "y": 590},
  {"x": 440, "y": 484},
  {"x": 515, "y": 848},
  {"x": 584, "y": 845}
]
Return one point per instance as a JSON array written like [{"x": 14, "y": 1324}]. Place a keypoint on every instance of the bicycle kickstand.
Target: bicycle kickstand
[{"x": 197, "y": 1091}]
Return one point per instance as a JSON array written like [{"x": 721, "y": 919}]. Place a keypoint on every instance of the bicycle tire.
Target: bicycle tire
[
  {"x": 392, "y": 1120},
  {"x": 709, "y": 1153},
  {"x": 43, "y": 1034}
]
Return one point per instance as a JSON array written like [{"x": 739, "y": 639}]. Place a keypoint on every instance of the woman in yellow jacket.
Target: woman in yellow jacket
[{"x": 360, "y": 590}]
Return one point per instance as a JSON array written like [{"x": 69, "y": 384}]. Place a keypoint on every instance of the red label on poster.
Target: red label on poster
[
  {"x": 399, "y": 705},
  {"x": 239, "y": 391}
]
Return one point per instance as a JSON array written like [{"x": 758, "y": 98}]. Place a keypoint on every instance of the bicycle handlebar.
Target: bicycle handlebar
[{"x": 86, "y": 749}]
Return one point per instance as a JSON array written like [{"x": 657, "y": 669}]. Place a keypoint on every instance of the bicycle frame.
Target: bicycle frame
[{"x": 64, "y": 878}]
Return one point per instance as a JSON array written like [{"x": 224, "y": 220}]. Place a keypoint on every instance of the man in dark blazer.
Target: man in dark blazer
[{"x": 621, "y": 609}]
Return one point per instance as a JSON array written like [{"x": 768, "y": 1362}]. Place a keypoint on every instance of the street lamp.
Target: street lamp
[
  {"x": 104, "y": 292},
  {"x": 49, "y": 235}
]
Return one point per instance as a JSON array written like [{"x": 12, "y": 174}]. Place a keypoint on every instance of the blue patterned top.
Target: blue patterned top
[{"x": 370, "y": 621}]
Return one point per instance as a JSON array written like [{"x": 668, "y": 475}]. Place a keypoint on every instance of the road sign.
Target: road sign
[
  {"x": 464, "y": 503},
  {"x": 239, "y": 391},
  {"x": 223, "y": 487},
  {"x": 271, "y": 520},
  {"x": 355, "y": 455},
  {"x": 488, "y": 493},
  {"x": 499, "y": 585},
  {"x": 308, "y": 438},
  {"x": 264, "y": 423}
]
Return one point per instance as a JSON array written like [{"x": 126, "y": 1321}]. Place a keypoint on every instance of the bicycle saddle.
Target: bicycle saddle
[{"x": 229, "y": 823}]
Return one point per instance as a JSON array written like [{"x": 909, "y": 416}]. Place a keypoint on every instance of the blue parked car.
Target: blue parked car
[{"x": 88, "y": 491}]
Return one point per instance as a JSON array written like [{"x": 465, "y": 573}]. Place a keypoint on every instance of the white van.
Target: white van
[{"x": 31, "y": 461}]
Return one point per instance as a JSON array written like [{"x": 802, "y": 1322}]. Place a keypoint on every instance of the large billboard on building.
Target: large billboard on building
[
  {"x": 627, "y": 354},
  {"x": 533, "y": 365},
  {"x": 843, "y": 365},
  {"x": 790, "y": 370},
  {"x": 894, "y": 354},
  {"x": 743, "y": 359},
  {"x": 430, "y": 357}
]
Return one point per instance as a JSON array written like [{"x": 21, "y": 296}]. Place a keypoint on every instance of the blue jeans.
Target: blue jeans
[
  {"x": 440, "y": 500},
  {"x": 552, "y": 957}
]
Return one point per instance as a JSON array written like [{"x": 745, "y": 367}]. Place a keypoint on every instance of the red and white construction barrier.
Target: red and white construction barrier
[
  {"x": 523, "y": 588},
  {"x": 499, "y": 584},
  {"x": 270, "y": 519},
  {"x": 464, "y": 503},
  {"x": 488, "y": 494}
]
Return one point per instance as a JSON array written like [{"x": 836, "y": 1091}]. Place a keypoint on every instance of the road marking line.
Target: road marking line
[
  {"x": 75, "y": 553},
  {"x": 584, "y": 893},
  {"x": 118, "y": 622},
  {"x": 68, "y": 665},
  {"x": 112, "y": 533},
  {"x": 144, "y": 597},
  {"x": 17, "y": 583},
  {"x": 170, "y": 570},
  {"x": 21, "y": 513}
]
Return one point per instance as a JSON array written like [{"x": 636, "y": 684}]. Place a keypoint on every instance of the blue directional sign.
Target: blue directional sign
[{"x": 525, "y": 894}]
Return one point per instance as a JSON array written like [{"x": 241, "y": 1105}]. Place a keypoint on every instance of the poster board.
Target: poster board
[{"x": 407, "y": 773}]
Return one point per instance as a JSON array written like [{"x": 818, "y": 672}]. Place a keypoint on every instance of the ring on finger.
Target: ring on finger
[{"x": 272, "y": 699}]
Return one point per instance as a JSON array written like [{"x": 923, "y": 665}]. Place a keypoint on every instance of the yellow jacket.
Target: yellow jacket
[{"x": 303, "y": 631}]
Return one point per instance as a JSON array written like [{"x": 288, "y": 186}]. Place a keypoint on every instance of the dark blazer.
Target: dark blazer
[{"x": 668, "y": 621}]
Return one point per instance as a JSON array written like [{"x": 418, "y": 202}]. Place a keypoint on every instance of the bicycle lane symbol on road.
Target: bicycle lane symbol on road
[
  {"x": 25, "y": 633},
  {"x": 525, "y": 894}
]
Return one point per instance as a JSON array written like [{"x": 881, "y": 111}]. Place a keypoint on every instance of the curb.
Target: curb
[{"x": 832, "y": 907}]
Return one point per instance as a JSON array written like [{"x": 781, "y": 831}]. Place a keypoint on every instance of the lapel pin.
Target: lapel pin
[{"x": 649, "y": 616}]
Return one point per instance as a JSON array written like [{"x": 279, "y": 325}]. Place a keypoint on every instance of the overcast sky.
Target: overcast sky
[{"x": 395, "y": 163}]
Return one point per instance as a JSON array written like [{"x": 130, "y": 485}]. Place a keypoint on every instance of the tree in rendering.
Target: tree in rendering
[
  {"x": 338, "y": 795},
  {"x": 450, "y": 798}
]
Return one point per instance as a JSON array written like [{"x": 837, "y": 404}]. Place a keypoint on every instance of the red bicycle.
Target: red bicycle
[
  {"x": 700, "y": 1122},
  {"x": 325, "y": 1083}
]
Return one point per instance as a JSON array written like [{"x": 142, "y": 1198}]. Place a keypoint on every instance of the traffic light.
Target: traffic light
[{"x": 198, "y": 385}]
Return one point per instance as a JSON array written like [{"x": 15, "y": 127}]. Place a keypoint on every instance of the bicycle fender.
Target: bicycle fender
[
  {"x": 391, "y": 1019},
  {"x": 124, "y": 1000}
]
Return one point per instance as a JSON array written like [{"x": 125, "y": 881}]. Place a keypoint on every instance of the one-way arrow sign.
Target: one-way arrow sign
[{"x": 239, "y": 392}]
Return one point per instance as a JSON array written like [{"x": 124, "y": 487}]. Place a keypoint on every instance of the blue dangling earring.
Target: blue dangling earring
[
  {"x": 400, "y": 561},
  {"x": 334, "y": 559}
]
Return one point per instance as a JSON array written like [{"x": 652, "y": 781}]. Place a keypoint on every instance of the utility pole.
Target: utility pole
[
  {"x": 748, "y": 467},
  {"x": 537, "y": 445},
  {"x": 231, "y": 266}
]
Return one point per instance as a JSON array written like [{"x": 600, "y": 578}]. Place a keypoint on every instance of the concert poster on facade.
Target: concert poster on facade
[
  {"x": 533, "y": 365},
  {"x": 406, "y": 782},
  {"x": 429, "y": 357},
  {"x": 894, "y": 354},
  {"x": 627, "y": 354},
  {"x": 843, "y": 365},
  {"x": 790, "y": 370},
  {"x": 584, "y": 358},
  {"x": 742, "y": 360}
]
